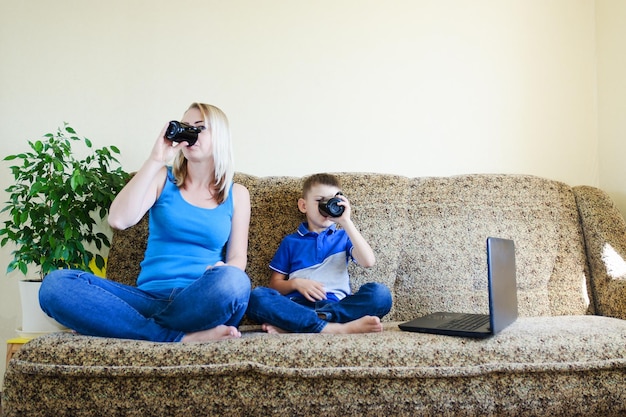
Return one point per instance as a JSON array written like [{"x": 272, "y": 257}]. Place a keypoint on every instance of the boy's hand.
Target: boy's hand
[
  {"x": 311, "y": 290},
  {"x": 345, "y": 216}
]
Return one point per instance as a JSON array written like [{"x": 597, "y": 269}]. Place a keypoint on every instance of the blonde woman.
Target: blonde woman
[{"x": 192, "y": 286}]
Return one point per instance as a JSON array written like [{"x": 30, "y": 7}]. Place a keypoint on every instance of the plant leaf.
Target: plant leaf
[{"x": 54, "y": 199}]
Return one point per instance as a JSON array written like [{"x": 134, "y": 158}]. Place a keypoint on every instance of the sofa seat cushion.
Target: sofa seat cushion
[{"x": 551, "y": 364}]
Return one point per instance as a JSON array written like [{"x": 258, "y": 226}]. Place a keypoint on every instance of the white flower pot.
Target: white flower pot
[{"x": 34, "y": 321}]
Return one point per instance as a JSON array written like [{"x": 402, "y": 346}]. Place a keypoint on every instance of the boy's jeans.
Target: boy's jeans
[
  {"x": 98, "y": 307},
  {"x": 297, "y": 315}
]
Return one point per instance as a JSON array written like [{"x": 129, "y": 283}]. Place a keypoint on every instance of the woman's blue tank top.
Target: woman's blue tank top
[{"x": 183, "y": 239}]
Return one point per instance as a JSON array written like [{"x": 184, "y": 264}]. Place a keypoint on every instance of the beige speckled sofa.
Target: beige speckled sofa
[{"x": 564, "y": 356}]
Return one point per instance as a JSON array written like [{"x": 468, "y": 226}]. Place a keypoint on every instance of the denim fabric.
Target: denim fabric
[
  {"x": 98, "y": 307},
  {"x": 298, "y": 315}
]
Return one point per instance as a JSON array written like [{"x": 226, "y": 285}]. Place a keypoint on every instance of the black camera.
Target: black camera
[
  {"x": 331, "y": 207},
  {"x": 182, "y": 132}
]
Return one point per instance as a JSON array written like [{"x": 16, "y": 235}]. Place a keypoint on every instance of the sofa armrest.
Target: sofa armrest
[{"x": 604, "y": 229}]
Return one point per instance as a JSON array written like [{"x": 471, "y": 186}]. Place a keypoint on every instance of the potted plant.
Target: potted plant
[{"x": 54, "y": 204}]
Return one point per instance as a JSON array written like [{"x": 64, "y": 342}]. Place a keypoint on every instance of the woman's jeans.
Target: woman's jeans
[
  {"x": 298, "y": 315},
  {"x": 99, "y": 307}
]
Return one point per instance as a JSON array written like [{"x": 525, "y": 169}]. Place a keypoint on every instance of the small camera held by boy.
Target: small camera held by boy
[{"x": 331, "y": 206}]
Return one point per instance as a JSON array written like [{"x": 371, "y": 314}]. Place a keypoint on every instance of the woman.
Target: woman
[{"x": 192, "y": 286}]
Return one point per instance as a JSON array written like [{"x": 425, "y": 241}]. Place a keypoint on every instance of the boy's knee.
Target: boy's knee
[
  {"x": 381, "y": 296},
  {"x": 378, "y": 290},
  {"x": 256, "y": 303},
  {"x": 261, "y": 292}
]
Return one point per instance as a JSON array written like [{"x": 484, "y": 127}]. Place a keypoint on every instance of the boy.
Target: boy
[{"x": 309, "y": 289}]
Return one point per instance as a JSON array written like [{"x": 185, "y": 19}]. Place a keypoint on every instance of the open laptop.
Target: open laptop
[{"x": 502, "y": 300}]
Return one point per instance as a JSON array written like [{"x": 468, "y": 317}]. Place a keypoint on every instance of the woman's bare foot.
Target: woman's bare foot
[
  {"x": 366, "y": 324},
  {"x": 272, "y": 329},
  {"x": 220, "y": 332}
]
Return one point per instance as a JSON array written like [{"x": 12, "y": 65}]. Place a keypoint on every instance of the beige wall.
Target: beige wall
[
  {"x": 611, "y": 33},
  {"x": 411, "y": 87}
]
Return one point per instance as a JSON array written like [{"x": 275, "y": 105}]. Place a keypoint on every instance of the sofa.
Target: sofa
[{"x": 565, "y": 355}]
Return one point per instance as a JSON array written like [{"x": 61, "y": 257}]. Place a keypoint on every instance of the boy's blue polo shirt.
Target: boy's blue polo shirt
[{"x": 320, "y": 257}]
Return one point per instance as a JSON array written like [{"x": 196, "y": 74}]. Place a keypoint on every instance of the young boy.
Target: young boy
[{"x": 309, "y": 289}]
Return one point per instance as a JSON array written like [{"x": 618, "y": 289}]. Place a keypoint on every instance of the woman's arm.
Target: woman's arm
[
  {"x": 237, "y": 249},
  {"x": 136, "y": 198}
]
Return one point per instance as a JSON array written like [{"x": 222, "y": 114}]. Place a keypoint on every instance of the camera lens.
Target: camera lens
[
  {"x": 331, "y": 207},
  {"x": 182, "y": 132},
  {"x": 172, "y": 130}
]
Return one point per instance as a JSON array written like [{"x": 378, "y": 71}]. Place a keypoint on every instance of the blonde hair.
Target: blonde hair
[{"x": 217, "y": 122}]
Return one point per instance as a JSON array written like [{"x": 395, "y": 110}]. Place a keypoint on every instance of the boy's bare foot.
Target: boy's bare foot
[
  {"x": 220, "y": 332},
  {"x": 366, "y": 324},
  {"x": 272, "y": 329}
]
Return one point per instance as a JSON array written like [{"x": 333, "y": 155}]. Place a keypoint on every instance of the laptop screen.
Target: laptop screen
[{"x": 503, "y": 289}]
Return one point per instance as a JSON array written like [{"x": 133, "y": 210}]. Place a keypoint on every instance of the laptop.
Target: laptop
[{"x": 502, "y": 300}]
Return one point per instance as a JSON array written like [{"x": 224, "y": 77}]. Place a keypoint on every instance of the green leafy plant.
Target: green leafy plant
[{"x": 55, "y": 200}]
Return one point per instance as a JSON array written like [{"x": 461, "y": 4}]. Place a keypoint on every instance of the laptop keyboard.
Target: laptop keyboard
[{"x": 467, "y": 322}]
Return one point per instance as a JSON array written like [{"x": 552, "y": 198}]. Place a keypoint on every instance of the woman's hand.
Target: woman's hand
[
  {"x": 164, "y": 150},
  {"x": 218, "y": 263},
  {"x": 136, "y": 198}
]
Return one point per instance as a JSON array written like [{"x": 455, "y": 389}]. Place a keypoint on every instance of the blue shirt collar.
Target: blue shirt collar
[{"x": 303, "y": 229}]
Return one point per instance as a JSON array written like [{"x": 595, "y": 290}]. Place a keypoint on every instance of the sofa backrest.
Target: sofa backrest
[{"x": 429, "y": 236}]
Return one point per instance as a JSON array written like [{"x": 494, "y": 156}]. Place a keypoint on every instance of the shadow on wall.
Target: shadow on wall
[{"x": 620, "y": 201}]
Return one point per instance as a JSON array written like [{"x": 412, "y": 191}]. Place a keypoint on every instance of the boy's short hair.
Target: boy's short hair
[{"x": 322, "y": 178}]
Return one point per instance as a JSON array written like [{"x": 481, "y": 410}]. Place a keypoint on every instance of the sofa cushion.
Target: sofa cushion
[
  {"x": 540, "y": 366},
  {"x": 443, "y": 262}
]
